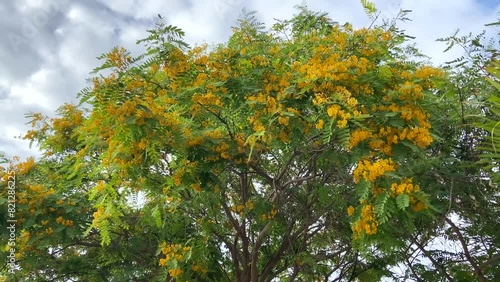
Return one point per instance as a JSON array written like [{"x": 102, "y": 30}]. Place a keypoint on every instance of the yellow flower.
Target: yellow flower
[
  {"x": 175, "y": 272},
  {"x": 333, "y": 110},
  {"x": 49, "y": 231},
  {"x": 196, "y": 187},
  {"x": 320, "y": 124},
  {"x": 350, "y": 210},
  {"x": 283, "y": 120},
  {"x": 319, "y": 99},
  {"x": 406, "y": 187},
  {"x": 342, "y": 123},
  {"x": 352, "y": 102},
  {"x": 371, "y": 171},
  {"x": 367, "y": 223},
  {"x": 257, "y": 127},
  {"x": 419, "y": 206},
  {"x": 357, "y": 136}
]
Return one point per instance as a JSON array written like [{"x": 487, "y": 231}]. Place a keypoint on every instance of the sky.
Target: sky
[{"x": 49, "y": 47}]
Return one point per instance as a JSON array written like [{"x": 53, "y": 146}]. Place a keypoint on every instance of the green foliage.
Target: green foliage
[
  {"x": 491, "y": 124},
  {"x": 370, "y": 8},
  {"x": 461, "y": 172},
  {"x": 301, "y": 152}
]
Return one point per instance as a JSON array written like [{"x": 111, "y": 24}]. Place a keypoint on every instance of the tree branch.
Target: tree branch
[
  {"x": 467, "y": 254},
  {"x": 436, "y": 264}
]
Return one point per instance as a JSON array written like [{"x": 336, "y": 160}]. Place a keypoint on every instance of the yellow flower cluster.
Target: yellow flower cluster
[
  {"x": 194, "y": 141},
  {"x": 259, "y": 98},
  {"x": 367, "y": 223},
  {"x": 258, "y": 126},
  {"x": 214, "y": 134},
  {"x": 284, "y": 136},
  {"x": 352, "y": 102},
  {"x": 350, "y": 210},
  {"x": 196, "y": 187},
  {"x": 387, "y": 136},
  {"x": 358, "y": 136},
  {"x": 173, "y": 252},
  {"x": 409, "y": 91},
  {"x": 174, "y": 272},
  {"x": 269, "y": 216},
  {"x": 241, "y": 208},
  {"x": 207, "y": 99},
  {"x": 39, "y": 190},
  {"x": 126, "y": 109},
  {"x": 25, "y": 167},
  {"x": 426, "y": 73},
  {"x": 371, "y": 171},
  {"x": 196, "y": 267},
  {"x": 222, "y": 148},
  {"x": 177, "y": 177},
  {"x": 335, "y": 111},
  {"x": 271, "y": 105},
  {"x": 118, "y": 57},
  {"x": 284, "y": 120},
  {"x": 238, "y": 208},
  {"x": 64, "y": 222},
  {"x": 320, "y": 99},
  {"x": 99, "y": 215},
  {"x": 320, "y": 124},
  {"x": 408, "y": 113},
  {"x": 405, "y": 187},
  {"x": 418, "y": 135},
  {"x": 49, "y": 231},
  {"x": 417, "y": 205}
]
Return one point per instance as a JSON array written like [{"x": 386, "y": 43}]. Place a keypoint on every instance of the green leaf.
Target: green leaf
[
  {"x": 410, "y": 145},
  {"x": 384, "y": 72},
  {"x": 369, "y": 7},
  {"x": 403, "y": 201},
  {"x": 157, "y": 216},
  {"x": 68, "y": 208},
  {"x": 380, "y": 204},
  {"x": 59, "y": 228},
  {"x": 363, "y": 188}
]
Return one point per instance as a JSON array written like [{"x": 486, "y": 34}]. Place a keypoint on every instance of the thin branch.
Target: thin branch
[
  {"x": 467, "y": 254},
  {"x": 226, "y": 124},
  {"x": 256, "y": 249},
  {"x": 439, "y": 267},
  {"x": 288, "y": 163}
]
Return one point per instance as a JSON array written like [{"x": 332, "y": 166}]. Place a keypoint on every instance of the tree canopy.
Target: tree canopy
[{"x": 309, "y": 151}]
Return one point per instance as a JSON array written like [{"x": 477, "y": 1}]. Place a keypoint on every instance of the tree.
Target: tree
[
  {"x": 462, "y": 241},
  {"x": 283, "y": 154}
]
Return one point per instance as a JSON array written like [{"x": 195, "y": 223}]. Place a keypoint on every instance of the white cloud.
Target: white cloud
[{"x": 32, "y": 91}]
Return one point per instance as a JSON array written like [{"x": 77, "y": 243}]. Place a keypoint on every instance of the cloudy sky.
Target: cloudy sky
[{"x": 49, "y": 47}]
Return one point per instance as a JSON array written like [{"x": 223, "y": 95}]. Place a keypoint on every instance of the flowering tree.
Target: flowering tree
[
  {"x": 287, "y": 153},
  {"x": 461, "y": 243}
]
